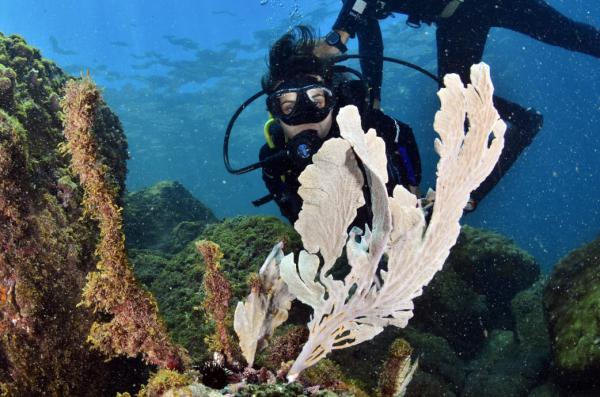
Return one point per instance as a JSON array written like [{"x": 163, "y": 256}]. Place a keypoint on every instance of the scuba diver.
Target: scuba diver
[
  {"x": 304, "y": 97},
  {"x": 462, "y": 30}
]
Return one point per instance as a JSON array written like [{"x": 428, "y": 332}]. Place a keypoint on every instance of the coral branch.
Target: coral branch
[{"x": 135, "y": 326}]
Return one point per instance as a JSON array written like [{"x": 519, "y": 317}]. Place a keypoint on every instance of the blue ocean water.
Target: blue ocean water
[{"x": 175, "y": 73}]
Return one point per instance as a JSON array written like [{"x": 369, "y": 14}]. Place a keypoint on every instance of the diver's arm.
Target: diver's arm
[
  {"x": 370, "y": 44},
  {"x": 352, "y": 14}
]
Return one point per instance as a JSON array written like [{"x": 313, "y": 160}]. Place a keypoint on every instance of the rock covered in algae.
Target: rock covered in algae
[
  {"x": 48, "y": 246},
  {"x": 164, "y": 217},
  {"x": 176, "y": 280},
  {"x": 572, "y": 306},
  {"x": 473, "y": 294}
]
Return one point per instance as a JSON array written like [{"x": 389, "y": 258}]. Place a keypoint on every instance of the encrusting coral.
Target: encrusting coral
[
  {"x": 353, "y": 310},
  {"x": 135, "y": 327}
]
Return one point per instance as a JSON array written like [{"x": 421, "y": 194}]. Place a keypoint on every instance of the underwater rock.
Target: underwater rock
[
  {"x": 37, "y": 86},
  {"x": 8, "y": 82},
  {"x": 424, "y": 384},
  {"x": 147, "y": 264},
  {"x": 47, "y": 243},
  {"x": 166, "y": 381},
  {"x": 439, "y": 365},
  {"x": 493, "y": 266},
  {"x": 330, "y": 377},
  {"x": 494, "y": 385},
  {"x": 473, "y": 293},
  {"x": 571, "y": 302},
  {"x": 245, "y": 242},
  {"x": 545, "y": 390},
  {"x": 522, "y": 357},
  {"x": 508, "y": 366},
  {"x": 164, "y": 217},
  {"x": 193, "y": 390},
  {"x": 531, "y": 331},
  {"x": 294, "y": 389},
  {"x": 449, "y": 307},
  {"x": 496, "y": 370}
]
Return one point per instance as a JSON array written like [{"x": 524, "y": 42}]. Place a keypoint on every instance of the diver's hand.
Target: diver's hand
[{"x": 324, "y": 50}]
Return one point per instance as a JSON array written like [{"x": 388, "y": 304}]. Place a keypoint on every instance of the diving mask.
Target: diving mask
[{"x": 309, "y": 103}]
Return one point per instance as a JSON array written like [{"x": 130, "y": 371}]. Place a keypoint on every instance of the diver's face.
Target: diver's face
[
  {"x": 303, "y": 103},
  {"x": 321, "y": 128}
]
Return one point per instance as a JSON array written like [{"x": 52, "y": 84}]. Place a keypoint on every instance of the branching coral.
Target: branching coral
[
  {"x": 353, "y": 310},
  {"x": 135, "y": 326}
]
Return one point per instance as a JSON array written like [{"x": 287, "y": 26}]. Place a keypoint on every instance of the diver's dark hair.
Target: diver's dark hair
[{"x": 292, "y": 55}]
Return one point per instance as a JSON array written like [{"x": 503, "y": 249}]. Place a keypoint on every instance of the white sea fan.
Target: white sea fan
[{"x": 353, "y": 310}]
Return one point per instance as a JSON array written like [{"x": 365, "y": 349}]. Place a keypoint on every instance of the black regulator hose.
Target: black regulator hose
[
  {"x": 345, "y": 57},
  {"x": 232, "y": 121}
]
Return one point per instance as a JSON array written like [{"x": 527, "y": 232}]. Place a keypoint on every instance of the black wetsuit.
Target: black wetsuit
[
  {"x": 460, "y": 43},
  {"x": 404, "y": 164}
]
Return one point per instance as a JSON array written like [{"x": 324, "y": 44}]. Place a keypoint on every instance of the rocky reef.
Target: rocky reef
[
  {"x": 473, "y": 294},
  {"x": 471, "y": 334},
  {"x": 176, "y": 279},
  {"x": 47, "y": 242}
]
